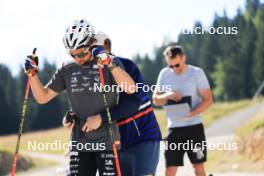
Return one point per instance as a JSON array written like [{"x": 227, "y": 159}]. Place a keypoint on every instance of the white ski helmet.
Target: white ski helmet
[{"x": 78, "y": 35}]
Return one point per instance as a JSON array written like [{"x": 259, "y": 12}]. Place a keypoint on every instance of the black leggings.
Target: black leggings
[{"x": 87, "y": 163}]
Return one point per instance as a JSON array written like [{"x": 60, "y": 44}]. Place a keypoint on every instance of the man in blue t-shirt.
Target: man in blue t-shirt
[{"x": 187, "y": 96}]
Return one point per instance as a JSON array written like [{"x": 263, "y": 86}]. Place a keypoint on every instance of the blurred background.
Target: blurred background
[{"x": 140, "y": 30}]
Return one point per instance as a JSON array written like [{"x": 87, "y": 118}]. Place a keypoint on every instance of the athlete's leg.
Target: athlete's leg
[
  {"x": 171, "y": 170},
  {"x": 146, "y": 157},
  {"x": 198, "y": 155},
  {"x": 127, "y": 162},
  {"x": 82, "y": 164},
  {"x": 199, "y": 169},
  {"x": 106, "y": 163},
  {"x": 174, "y": 153}
]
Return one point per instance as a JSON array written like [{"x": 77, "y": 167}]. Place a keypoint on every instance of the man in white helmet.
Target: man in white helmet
[{"x": 91, "y": 148}]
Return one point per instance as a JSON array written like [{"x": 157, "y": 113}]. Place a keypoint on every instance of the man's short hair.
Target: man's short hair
[
  {"x": 108, "y": 44},
  {"x": 172, "y": 51}
]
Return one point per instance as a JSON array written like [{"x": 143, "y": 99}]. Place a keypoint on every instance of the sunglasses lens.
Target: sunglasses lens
[
  {"x": 80, "y": 55},
  {"x": 176, "y": 66}
]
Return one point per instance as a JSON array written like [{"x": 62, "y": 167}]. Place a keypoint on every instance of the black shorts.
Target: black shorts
[
  {"x": 190, "y": 139},
  {"x": 87, "y": 163}
]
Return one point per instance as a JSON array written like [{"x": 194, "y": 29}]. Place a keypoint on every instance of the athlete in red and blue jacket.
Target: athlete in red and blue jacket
[{"x": 138, "y": 127}]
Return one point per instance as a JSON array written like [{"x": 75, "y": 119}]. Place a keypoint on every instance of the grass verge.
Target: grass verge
[
  {"x": 250, "y": 154},
  {"x": 23, "y": 163},
  {"x": 40, "y": 138}
]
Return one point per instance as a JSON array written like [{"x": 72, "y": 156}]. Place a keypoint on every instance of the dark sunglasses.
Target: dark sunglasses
[
  {"x": 81, "y": 55},
  {"x": 174, "y": 66}
]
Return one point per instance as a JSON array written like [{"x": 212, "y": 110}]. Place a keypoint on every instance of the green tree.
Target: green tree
[
  {"x": 49, "y": 115},
  {"x": 8, "y": 107},
  {"x": 258, "y": 70},
  {"x": 252, "y": 7}
]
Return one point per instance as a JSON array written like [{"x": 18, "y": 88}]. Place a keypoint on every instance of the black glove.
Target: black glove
[
  {"x": 31, "y": 64},
  {"x": 72, "y": 117}
]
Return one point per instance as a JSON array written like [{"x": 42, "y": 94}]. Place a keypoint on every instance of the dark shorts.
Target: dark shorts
[
  {"x": 140, "y": 159},
  {"x": 87, "y": 163},
  {"x": 189, "y": 139}
]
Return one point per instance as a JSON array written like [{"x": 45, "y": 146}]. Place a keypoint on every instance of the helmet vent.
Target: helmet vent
[
  {"x": 83, "y": 40},
  {"x": 74, "y": 42},
  {"x": 67, "y": 42}
]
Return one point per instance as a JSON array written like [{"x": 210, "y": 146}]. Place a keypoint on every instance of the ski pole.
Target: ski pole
[
  {"x": 110, "y": 122},
  {"x": 21, "y": 124}
]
